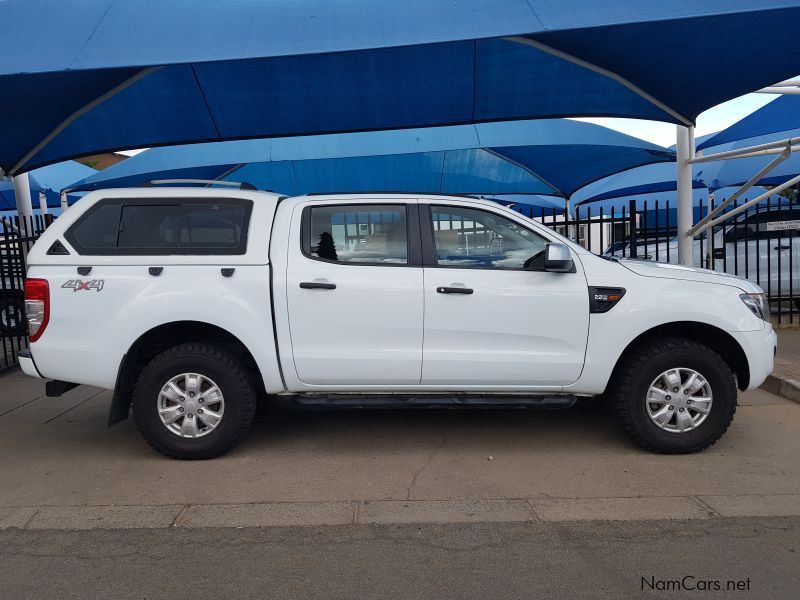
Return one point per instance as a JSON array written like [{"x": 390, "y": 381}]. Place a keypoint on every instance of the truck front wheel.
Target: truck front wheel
[
  {"x": 194, "y": 401},
  {"x": 674, "y": 396}
]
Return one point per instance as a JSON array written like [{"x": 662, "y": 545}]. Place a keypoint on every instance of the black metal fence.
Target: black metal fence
[
  {"x": 17, "y": 235},
  {"x": 761, "y": 244}
]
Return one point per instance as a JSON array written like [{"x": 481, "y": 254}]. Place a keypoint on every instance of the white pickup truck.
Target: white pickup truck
[{"x": 192, "y": 304}]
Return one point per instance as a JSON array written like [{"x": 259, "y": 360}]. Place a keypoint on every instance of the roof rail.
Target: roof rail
[
  {"x": 241, "y": 185},
  {"x": 405, "y": 193}
]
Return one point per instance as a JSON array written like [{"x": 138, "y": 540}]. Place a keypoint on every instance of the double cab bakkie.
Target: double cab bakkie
[{"x": 194, "y": 304}]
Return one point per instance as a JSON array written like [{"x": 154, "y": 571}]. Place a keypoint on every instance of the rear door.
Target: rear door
[
  {"x": 488, "y": 321},
  {"x": 354, "y": 294}
]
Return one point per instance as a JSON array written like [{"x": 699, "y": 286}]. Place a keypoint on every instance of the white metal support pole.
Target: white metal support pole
[
  {"x": 64, "y": 203},
  {"x": 22, "y": 192},
  {"x": 709, "y": 252},
  {"x": 22, "y": 196},
  {"x": 43, "y": 202},
  {"x": 685, "y": 152}
]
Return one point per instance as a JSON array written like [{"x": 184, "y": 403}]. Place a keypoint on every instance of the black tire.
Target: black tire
[
  {"x": 638, "y": 371},
  {"x": 213, "y": 362}
]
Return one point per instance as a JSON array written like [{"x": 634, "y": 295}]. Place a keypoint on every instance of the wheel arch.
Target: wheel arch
[
  {"x": 718, "y": 340},
  {"x": 164, "y": 336}
]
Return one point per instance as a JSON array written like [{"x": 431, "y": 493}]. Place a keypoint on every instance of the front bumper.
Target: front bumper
[
  {"x": 759, "y": 348},
  {"x": 27, "y": 365}
]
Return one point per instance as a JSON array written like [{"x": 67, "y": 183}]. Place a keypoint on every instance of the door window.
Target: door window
[
  {"x": 471, "y": 238},
  {"x": 357, "y": 234}
]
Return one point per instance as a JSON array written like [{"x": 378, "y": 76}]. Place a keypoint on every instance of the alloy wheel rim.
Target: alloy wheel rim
[
  {"x": 679, "y": 400},
  {"x": 191, "y": 405}
]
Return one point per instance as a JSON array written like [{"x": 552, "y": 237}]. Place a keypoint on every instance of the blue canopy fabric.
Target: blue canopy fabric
[
  {"x": 778, "y": 120},
  {"x": 50, "y": 180},
  {"x": 736, "y": 172},
  {"x": 551, "y": 157},
  {"x": 648, "y": 179},
  {"x": 780, "y": 115},
  {"x": 108, "y": 75},
  {"x": 712, "y": 176}
]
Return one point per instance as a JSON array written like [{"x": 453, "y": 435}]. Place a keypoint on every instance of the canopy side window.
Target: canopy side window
[{"x": 165, "y": 226}]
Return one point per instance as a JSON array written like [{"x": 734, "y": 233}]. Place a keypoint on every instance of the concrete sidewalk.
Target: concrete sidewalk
[
  {"x": 785, "y": 378},
  {"x": 64, "y": 469}
]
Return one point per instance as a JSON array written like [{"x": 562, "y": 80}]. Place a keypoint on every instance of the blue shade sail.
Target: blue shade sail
[
  {"x": 649, "y": 179},
  {"x": 782, "y": 114},
  {"x": 247, "y": 69},
  {"x": 738, "y": 171},
  {"x": 50, "y": 180},
  {"x": 551, "y": 157}
]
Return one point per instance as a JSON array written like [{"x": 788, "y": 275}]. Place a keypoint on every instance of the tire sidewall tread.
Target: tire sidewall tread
[
  {"x": 226, "y": 371},
  {"x": 639, "y": 370}
]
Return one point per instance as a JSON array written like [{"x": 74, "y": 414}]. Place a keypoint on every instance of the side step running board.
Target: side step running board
[{"x": 434, "y": 400}]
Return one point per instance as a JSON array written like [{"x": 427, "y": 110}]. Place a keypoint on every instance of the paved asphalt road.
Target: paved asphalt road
[{"x": 594, "y": 560}]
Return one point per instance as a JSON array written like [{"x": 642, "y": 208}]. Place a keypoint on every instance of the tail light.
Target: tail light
[{"x": 37, "y": 306}]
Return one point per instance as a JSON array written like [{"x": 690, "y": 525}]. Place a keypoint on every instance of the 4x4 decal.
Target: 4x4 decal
[{"x": 77, "y": 285}]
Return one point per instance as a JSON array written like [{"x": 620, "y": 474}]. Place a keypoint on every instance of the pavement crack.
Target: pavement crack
[
  {"x": 426, "y": 463},
  {"x": 710, "y": 510},
  {"x": 10, "y": 410},
  {"x": 73, "y": 407}
]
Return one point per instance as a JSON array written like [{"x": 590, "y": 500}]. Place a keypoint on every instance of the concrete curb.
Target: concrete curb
[
  {"x": 785, "y": 388},
  {"x": 364, "y": 512}
]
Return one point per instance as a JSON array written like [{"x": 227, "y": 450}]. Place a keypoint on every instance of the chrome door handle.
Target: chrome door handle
[{"x": 317, "y": 285}]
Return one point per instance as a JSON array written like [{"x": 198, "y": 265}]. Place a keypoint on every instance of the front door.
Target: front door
[
  {"x": 488, "y": 320},
  {"x": 354, "y": 291}
]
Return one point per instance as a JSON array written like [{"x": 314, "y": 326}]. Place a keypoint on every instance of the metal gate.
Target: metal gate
[{"x": 17, "y": 235}]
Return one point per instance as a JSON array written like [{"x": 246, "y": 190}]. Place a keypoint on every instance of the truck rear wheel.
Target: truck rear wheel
[
  {"x": 194, "y": 401},
  {"x": 674, "y": 396}
]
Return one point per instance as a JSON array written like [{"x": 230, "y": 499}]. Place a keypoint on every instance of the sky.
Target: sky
[{"x": 713, "y": 120}]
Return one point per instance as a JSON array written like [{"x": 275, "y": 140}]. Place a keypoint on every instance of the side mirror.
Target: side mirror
[{"x": 558, "y": 258}]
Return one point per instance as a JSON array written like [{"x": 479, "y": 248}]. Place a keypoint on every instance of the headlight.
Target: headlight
[{"x": 757, "y": 303}]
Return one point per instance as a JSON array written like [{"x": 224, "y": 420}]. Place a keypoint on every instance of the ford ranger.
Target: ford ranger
[{"x": 191, "y": 304}]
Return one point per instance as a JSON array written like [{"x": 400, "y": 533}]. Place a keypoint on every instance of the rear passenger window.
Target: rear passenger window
[
  {"x": 357, "y": 234},
  {"x": 163, "y": 227}
]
